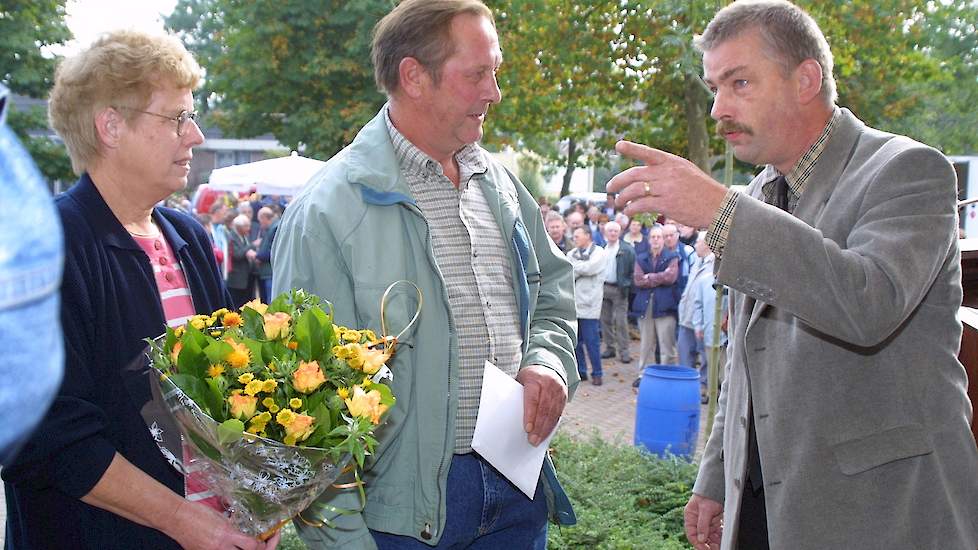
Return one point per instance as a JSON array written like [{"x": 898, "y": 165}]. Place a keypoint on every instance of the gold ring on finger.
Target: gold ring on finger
[{"x": 648, "y": 189}]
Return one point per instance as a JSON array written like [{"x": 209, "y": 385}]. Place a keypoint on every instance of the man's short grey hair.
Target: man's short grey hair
[
  {"x": 788, "y": 32},
  {"x": 420, "y": 29},
  {"x": 552, "y": 215},
  {"x": 241, "y": 221},
  {"x": 612, "y": 224}
]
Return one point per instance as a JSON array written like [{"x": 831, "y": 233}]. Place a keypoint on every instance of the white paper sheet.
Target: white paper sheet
[{"x": 499, "y": 436}]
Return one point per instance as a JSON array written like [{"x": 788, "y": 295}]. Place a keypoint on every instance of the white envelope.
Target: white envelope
[{"x": 499, "y": 435}]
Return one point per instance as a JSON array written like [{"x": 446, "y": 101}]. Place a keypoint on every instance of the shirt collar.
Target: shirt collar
[
  {"x": 800, "y": 173},
  {"x": 413, "y": 160}
]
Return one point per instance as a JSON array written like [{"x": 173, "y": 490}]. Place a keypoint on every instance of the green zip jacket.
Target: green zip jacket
[{"x": 353, "y": 231}]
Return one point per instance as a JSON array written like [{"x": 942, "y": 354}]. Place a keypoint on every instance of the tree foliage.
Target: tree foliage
[
  {"x": 26, "y": 26},
  {"x": 299, "y": 69}
]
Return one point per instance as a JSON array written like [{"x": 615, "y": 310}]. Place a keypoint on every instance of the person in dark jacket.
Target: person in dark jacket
[{"x": 92, "y": 476}]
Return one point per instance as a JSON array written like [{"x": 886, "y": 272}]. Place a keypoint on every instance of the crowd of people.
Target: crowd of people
[
  {"x": 843, "y": 416},
  {"x": 657, "y": 278}
]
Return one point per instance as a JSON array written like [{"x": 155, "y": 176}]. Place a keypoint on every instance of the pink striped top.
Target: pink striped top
[
  {"x": 178, "y": 305},
  {"x": 178, "y": 308}
]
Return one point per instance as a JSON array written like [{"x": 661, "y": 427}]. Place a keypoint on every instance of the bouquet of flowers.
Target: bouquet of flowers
[{"x": 271, "y": 402}]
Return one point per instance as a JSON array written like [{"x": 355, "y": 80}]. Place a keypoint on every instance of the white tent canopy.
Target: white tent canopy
[{"x": 278, "y": 176}]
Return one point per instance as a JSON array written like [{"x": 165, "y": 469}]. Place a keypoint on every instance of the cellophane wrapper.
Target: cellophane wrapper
[{"x": 261, "y": 481}]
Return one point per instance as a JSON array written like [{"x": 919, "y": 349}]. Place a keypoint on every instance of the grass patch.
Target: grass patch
[{"x": 624, "y": 499}]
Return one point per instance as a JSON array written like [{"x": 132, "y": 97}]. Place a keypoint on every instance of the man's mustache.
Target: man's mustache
[{"x": 727, "y": 126}]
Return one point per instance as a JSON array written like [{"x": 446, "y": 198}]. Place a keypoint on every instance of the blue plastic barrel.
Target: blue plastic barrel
[{"x": 668, "y": 410}]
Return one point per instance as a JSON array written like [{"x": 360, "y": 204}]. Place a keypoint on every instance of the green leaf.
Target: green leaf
[
  {"x": 195, "y": 389},
  {"x": 215, "y": 398},
  {"x": 254, "y": 323},
  {"x": 204, "y": 447},
  {"x": 217, "y": 350},
  {"x": 230, "y": 431},
  {"x": 192, "y": 360}
]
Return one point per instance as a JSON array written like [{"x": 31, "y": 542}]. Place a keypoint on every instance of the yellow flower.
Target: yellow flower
[
  {"x": 366, "y": 383},
  {"x": 246, "y": 377},
  {"x": 240, "y": 355},
  {"x": 242, "y": 406},
  {"x": 373, "y": 359},
  {"x": 366, "y": 404},
  {"x": 265, "y": 416},
  {"x": 295, "y": 403},
  {"x": 215, "y": 333},
  {"x": 274, "y": 408},
  {"x": 215, "y": 370},
  {"x": 175, "y": 352},
  {"x": 199, "y": 321},
  {"x": 351, "y": 336},
  {"x": 343, "y": 393},
  {"x": 371, "y": 337},
  {"x": 269, "y": 385},
  {"x": 232, "y": 319},
  {"x": 299, "y": 429},
  {"x": 268, "y": 402},
  {"x": 277, "y": 325},
  {"x": 285, "y": 417},
  {"x": 220, "y": 312},
  {"x": 256, "y": 305},
  {"x": 340, "y": 352},
  {"x": 254, "y": 387},
  {"x": 307, "y": 377},
  {"x": 293, "y": 345},
  {"x": 178, "y": 332}
]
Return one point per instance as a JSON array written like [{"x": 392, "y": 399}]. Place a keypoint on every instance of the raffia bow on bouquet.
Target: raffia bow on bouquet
[{"x": 270, "y": 404}]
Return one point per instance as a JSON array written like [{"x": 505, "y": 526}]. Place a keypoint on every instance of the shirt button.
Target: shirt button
[
  {"x": 157, "y": 245},
  {"x": 163, "y": 260},
  {"x": 168, "y": 277}
]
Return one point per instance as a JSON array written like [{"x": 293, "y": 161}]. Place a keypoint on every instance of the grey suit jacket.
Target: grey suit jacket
[{"x": 843, "y": 337}]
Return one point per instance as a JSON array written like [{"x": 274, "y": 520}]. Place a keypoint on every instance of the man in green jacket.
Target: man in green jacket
[{"x": 415, "y": 198}]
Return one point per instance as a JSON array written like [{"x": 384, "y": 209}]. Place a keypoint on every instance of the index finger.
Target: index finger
[{"x": 639, "y": 152}]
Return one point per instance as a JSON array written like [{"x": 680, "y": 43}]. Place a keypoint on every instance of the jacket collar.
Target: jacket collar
[
  {"x": 829, "y": 167},
  {"x": 373, "y": 163},
  {"x": 107, "y": 227}
]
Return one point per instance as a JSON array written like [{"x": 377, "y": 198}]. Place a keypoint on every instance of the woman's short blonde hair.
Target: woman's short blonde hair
[{"x": 121, "y": 69}]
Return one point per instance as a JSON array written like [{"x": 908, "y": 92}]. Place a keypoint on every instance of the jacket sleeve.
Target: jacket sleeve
[
  {"x": 710, "y": 478},
  {"x": 867, "y": 285},
  {"x": 553, "y": 324},
  {"x": 667, "y": 276},
  {"x": 68, "y": 451}
]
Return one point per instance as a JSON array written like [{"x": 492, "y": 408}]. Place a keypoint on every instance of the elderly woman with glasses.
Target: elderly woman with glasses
[{"x": 92, "y": 475}]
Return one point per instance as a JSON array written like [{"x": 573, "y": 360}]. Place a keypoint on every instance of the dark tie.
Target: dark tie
[{"x": 781, "y": 193}]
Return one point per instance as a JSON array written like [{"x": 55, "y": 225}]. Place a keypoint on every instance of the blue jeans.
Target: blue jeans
[
  {"x": 484, "y": 511},
  {"x": 589, "y": 338},
  {"x": 689, "y": 347}
]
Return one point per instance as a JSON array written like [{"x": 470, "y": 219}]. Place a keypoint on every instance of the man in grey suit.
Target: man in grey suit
[{"x": 844, "y": 418}]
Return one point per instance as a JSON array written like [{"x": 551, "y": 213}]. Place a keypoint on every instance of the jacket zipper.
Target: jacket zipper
[{"x": 451, "y": 335}]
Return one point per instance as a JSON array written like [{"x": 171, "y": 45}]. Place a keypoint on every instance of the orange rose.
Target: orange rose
[
  {"x": 277, "y": 325},
  {"x": 242, "y": 406},
  {"x": 299, "y": 429},
  {"x": 373, "y": 359},
  {"x": 175, "y": 352},
  {"x": 366, "y": 404},
  {"x": 307, "y": 377}
]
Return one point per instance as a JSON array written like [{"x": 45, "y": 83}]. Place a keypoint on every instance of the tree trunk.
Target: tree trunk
[
  {"x": 697, "y": 135},
  {"x": 569, "y": 166}
]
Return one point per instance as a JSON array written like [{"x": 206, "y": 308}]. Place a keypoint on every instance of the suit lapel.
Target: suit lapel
[{"x": 826, "y": 174}]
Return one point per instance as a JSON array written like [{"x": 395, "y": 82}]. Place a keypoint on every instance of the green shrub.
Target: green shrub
[{"x": 624, "y": 498}]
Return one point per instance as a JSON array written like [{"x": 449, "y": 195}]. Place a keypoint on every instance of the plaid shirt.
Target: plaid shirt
[
  {"x": 474, "y": 262},
  {"x": 797, "y": 179}
]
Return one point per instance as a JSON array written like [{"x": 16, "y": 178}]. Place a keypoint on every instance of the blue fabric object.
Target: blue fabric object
[
  {"x": 485, "y": 512},
  {"x": 110, "y": 303},
  {"x": 589, "y": 340},
  {"x": 31, "y": 257}
]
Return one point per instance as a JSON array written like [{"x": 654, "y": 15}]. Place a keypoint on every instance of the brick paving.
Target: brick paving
[{"x": 609, "y": 409}]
